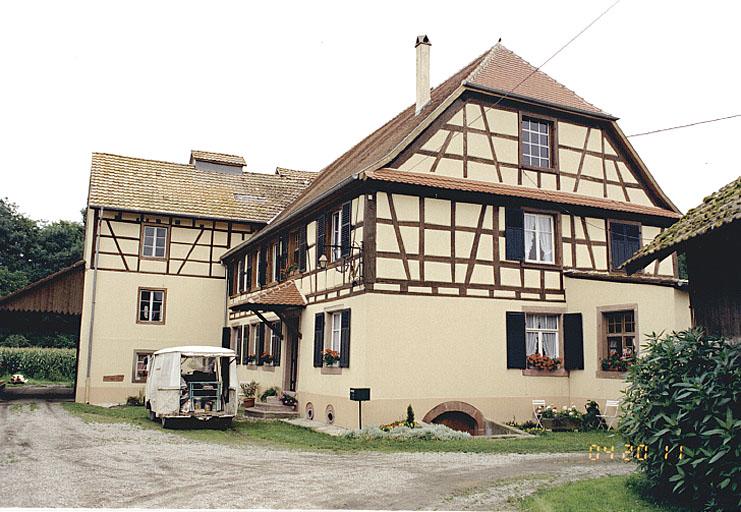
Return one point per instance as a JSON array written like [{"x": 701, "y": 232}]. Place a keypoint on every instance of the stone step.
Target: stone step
[
  {"x": 271, "y": 406},
  {"x": 270, "y": 414}
]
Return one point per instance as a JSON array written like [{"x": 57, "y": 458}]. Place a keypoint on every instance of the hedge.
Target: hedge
[
  {"x": 682, "y": 408},
  {"x": 39, "y": 363}
]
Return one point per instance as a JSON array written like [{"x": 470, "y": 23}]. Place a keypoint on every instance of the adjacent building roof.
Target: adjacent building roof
[
  {"x": 496, "y": 71},
  {"x": 60, "y": 292},
  {"x": 137, "y": 184},
  {"x": 467, "y": 185},
  {"x": 717, "y": 210},
  {"x": 217, "y": 158}
]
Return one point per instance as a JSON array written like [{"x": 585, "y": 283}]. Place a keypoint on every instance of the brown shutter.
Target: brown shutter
[
  {"x": 345, "y": 340},
  {"x": 318, "y": 339},
  {"x": 249, "y": 273},
  {"x": 516, "y": 340},
  {"x": 302, "y": 248}
]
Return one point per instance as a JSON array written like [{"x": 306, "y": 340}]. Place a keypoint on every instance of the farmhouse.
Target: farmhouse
[{"x": 465, "y": 258}]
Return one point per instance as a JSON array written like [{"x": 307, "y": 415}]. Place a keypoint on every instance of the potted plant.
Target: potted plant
[
  {"x": 330, "y": 357},
  {"x": 288, "y": 399},
  {"x": 250, "y": 392},
  {"x": 544, "y": 363},
  {"x": 266, "y": 358},
  {"x": 251, "y": 359}
]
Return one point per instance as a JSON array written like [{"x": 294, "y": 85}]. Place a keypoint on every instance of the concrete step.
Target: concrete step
[
  {"x": 271, "y": 406},
  {"x": 270, "y": 413}
]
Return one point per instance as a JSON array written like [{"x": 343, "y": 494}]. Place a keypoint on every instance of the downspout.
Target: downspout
[{"x": 92, "y": 307}]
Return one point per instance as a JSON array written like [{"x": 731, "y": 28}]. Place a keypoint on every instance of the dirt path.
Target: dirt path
[{"x": 49, "y": 458}]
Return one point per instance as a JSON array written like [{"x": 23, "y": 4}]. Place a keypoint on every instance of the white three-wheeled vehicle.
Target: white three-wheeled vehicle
[{"x": 192, "y": 382}]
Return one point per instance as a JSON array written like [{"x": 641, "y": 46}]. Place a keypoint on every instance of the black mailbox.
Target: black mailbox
[{"x": 360, "y": 394}]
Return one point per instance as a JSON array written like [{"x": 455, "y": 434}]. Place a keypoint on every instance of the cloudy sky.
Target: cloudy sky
[{"x": 295, "y": 84}]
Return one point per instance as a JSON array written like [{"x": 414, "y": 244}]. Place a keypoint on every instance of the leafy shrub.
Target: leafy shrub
[
  {"x": 591, "y": 420},
  {"x": 269, "y": 392},
  {"x": 432, "y": 432},
  {"x": 15, "y": 340},
  {"x": 250, "y": 389},
  {"x": 410, "y": 415},
  {"x": 684, "y": 395},
  {"x": 39, "y": 363}
]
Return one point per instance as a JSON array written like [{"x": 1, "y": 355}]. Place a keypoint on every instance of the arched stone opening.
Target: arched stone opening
[{"x": 458, "y": 416}]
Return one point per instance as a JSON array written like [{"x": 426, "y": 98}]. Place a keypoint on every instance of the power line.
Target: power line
[{"x": 685, "y": 125}]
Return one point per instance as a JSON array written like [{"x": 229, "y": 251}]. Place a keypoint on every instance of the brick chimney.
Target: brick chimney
[{"x": 423, "y": 71}]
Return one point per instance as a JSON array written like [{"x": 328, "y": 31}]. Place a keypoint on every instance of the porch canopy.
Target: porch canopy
[
  {"x": 284, "y": 299},
  {"x": 51, "y": 304}
]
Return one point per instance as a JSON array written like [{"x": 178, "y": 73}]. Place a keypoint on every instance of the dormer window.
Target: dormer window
[{"x": 535, "y": 143}]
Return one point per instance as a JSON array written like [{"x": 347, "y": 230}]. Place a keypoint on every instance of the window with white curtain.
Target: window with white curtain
[
  {"x": 539, "y": 242},
  {"x": 335, "y": 341},
  {"x": 336, "y": 250},
  {"x": 541, "y": 335}
]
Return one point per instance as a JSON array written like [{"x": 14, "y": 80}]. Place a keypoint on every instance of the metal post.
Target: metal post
[{"x": 360, "y": 415}]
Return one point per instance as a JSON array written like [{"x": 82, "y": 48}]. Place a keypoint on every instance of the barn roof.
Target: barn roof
[
  {"x": 717, "y": 210},
  {"x": 60, "y": 292}
]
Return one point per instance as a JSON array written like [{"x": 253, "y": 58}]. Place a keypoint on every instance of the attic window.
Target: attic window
[{"x": 249, "y": 198}]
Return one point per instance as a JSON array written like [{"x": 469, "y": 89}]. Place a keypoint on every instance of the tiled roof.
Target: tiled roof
[
  {"x": 718, "y": 209},
  {"x": 467, "y": 185},
  {"x": 503, "y": 71},
  {"x": 283, "y": 294},
  {"x": 136, "y": 184},
  {"x": 217, "y": 158}
]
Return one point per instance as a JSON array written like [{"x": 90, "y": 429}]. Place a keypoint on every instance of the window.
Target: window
[
  {"x": 274, "y": 338},
  {"x": 141, "y": 365},
  {"x": 625, "y": 240},
  {"x": 154, "y": 242},
  {"x": 151, "y": 306},
  {"x": 620, "y": 335},
  {"x": 241, "y": 336},
  {"x": 539, "y": 238},
  {"x": 536, "y": 143},
  {"x": 335, "y": 337},
  {"x": 541, "y": 335},
  {"x": 241, "y": 277},
  {"x": 336, "y": 239}
]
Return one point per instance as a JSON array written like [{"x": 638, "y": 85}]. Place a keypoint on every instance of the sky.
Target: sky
[{"x": 295, "y": 84}]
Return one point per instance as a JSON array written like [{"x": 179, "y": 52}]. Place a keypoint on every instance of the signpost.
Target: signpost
[{"x": 360, "y": 395}]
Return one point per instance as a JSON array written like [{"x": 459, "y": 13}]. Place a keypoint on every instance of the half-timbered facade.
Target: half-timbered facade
[
  {"x": 155, "y": 234},
  {"x": 442, "y": 259}
]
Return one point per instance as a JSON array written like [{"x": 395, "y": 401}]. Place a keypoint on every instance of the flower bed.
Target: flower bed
[
  {"x": 558, "y": 420},
  {"x": 403, "y": 433}
]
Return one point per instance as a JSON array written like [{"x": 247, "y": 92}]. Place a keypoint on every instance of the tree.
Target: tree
[{"x": 30, "y": 250}]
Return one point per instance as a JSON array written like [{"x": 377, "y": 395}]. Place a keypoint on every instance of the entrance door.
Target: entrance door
[{"x": 289, "y": 380}]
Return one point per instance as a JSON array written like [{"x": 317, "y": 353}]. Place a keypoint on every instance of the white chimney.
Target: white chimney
[{"x": 423, "y": 71}]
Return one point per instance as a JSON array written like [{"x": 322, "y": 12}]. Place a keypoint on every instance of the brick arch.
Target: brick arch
[{"x": 459, "y": 407}]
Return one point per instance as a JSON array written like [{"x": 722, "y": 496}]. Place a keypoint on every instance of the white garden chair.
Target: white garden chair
[
  {"x": 610, "y": 414},
  {"x": 538, "y": 406}
]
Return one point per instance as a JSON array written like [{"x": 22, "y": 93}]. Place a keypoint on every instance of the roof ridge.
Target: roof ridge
[
  {"x": 549, "y": 77},
  {"x": 485, "y": 61},
  {"x": 154, "y": 160}
]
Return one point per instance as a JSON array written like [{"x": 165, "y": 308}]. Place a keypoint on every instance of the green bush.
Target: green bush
[
  {"x": 15, "y": 340},
  {"x": 682, "y": 409},
  {"x": 39, "y": 363}
]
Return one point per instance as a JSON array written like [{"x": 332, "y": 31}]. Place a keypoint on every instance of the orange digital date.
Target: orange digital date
[{"x": 630, "y": 452}]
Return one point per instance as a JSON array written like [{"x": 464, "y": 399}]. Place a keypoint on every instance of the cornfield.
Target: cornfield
[{"x": 39, "y": 363}]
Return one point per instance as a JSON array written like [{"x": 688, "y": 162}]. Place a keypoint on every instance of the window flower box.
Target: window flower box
[
  {"x": 330, "y": 357},
  {"x": 251, "y": 359},
  {"x": 544, "y": 363},
  {"x": 560, "y": 420},
  {"x": 618, "y": 363},
  {"x": 561, "y": 424},
  {"x": 266, "y": 358}
]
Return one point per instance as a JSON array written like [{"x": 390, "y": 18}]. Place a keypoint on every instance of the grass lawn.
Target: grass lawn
[
  {"x": 34, "y": 382},
  {"x": 607, "y": 494},
  {"x": 290, "y": 436}
]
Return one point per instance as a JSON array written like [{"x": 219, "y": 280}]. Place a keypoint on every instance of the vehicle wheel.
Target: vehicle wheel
[
  {"x": 166, "y": 423},
  {"x": 225, "y": 423},
  {"x": 151, "y": 415}
]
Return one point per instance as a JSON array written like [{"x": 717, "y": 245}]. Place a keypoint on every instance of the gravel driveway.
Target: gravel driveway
[{"x": 49, "y": 458}]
